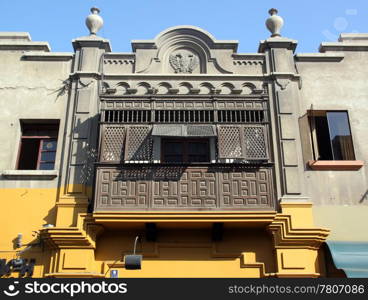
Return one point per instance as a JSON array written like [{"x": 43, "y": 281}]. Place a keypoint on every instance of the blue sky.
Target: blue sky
[{"x": 309, "y": 22}]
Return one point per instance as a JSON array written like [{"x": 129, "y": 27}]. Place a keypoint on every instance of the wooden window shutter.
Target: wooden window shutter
[
  {"x": 139, "y": 143},
  {"x": 230, "y": 141},
  {"x": 112, "y": 143},
  {"x": 306, "y": 138},
  {"x": 255, "y": 142}
]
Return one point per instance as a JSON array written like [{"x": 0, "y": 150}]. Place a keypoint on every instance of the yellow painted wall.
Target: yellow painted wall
[
  {"x": 190, "y": 253},
  {"x": 24, "y": 210},
  {"x": 180, "y": 251}
]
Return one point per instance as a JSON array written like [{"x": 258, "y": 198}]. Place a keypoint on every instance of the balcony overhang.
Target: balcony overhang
[{"x": 168, "y": 218}]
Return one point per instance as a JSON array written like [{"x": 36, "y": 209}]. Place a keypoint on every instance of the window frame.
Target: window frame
[
  {"x": 312, "y": 114},
  {"x": 185, "y": 155},
  {"x": 329, "y": 165},
  {"x": 51, "y": 127}
]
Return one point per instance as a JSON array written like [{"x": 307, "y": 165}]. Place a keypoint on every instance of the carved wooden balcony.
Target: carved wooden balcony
[
  {"x": 146, "y": 165},
  {"x": 209, "y": 187}
]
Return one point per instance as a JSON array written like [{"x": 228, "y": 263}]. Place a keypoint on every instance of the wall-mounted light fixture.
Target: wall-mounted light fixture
[
  {"x": 48, "y": 226},
  {"x": 133, "y": 261},
  {"x": 18, "y": 240}
]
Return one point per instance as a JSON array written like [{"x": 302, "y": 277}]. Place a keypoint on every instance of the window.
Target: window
[
  {"x": 331, "y": 135},
  {"x": 185, "y": 150},
  {"x": 38, "y": 146}
]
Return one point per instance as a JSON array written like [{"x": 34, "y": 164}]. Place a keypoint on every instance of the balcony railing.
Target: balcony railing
[{"x": 184, "y": 187}]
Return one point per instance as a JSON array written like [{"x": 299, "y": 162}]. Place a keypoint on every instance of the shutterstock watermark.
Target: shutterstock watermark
[
  {"x": 312, "y": 289},
  {"x": 341, "y": 24},
  {"x": 70, "y": 289}
]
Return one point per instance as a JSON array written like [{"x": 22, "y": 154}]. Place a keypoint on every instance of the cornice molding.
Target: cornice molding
[
  {"x": 52, "y": 56},
  {"x": 341, "y": 46},
  {"x": 287, "y": 237},
  {"x": 319, "y": 57},
  {"x": 24, "y": 46},
  {"x": 277, "y": 42},
  {"x": 82, "y": 236}
]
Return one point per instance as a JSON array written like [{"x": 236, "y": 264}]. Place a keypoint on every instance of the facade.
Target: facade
[{"x": 205, "y": 161}]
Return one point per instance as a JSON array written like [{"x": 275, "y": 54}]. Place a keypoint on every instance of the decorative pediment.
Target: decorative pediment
[{"x": 184, "y": 50}]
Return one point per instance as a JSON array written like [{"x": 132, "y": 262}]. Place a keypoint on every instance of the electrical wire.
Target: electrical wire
[{"x": 137, "y": 238}]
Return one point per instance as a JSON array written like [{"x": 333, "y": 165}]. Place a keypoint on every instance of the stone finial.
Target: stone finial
[
  {"x": 94, "y": 22},
  {"x": 274, "y": 23}
]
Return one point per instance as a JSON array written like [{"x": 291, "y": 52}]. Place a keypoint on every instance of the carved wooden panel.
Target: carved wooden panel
[
  {"x": 123, "y": 189},
  {"x": 231, "y": 104},
  {"x": 127, "y": 104},
  {"x": 184, "y": 187},
  {"x": 245, "y": 188},
  {"x": 183, "y": 104},
  {"x": 177, "y": 104}
]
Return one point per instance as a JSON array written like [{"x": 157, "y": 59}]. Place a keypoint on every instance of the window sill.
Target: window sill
[
  {"x": 335, "y": 165},
  {"x": 31, "y": 174}
]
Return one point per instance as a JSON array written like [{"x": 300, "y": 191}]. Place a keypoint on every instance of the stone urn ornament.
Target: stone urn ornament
[
  {"x": 274, "y": 23},
  {"x": 94, "y": 22}
]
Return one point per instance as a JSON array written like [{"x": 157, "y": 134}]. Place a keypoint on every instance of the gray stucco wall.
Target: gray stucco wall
[
  {"x": 31, "y": 83},
  {"x": 340, "y": 197},
  {"x": 339, "y": 86}
]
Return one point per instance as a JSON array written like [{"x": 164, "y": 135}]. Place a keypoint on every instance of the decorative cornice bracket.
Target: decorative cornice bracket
[{"x": 287, "y": 237}]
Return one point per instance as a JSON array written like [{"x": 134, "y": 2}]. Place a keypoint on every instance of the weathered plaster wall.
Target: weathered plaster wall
[
  {"x": 339, "y": 86},
  {"x": 340, "y": 197},
  {"x": 31, "y": 87}
]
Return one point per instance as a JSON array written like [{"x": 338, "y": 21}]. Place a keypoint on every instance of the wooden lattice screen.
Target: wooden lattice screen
[
  {"x": 242, "y": 142},
  {"x": 230, "y": 141},
  {"x": 113, "y": 143},
  {"x": 139, "y": 143}
]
